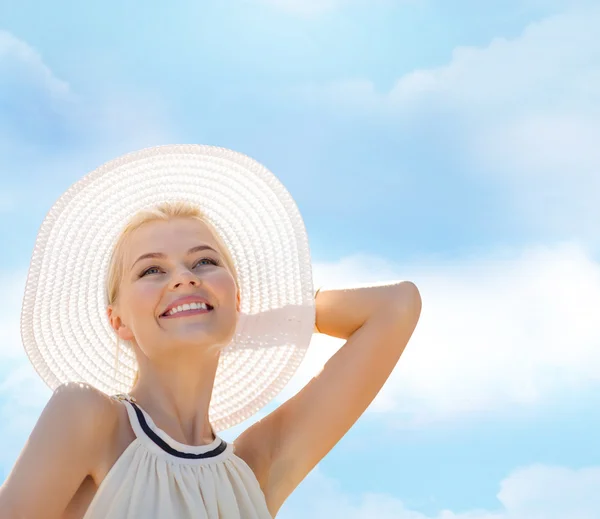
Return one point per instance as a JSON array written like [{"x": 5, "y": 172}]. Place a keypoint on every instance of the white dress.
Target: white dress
[{"x": 157, "y": 477}]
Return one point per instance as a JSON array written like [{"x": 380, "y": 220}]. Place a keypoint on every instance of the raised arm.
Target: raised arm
[
  {"x": 61, "y": 452},
  {"x": 377, "y": 323}
]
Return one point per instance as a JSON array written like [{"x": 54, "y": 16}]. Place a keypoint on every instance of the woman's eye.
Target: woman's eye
[
  {"x": 150, "y": 270},
  {"x": 207, "y": 261}
]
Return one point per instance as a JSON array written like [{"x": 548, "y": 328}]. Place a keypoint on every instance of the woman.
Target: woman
[{"x": 169, "y": 297}]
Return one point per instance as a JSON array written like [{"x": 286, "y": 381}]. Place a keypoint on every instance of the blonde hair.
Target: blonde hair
[{"x": 163, "y": 212}]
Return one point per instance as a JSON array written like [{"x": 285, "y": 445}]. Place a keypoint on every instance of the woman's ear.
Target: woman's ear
[
  {"x": 237, "y": 301},
  {"x": 117, "y": 324}
]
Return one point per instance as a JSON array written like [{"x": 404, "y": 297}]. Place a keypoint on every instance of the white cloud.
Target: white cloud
[
  {"x": 17, "y": 58},
  {"x": 46, "y": 127},
  {"x": 33, "y": 101},
  {"x": 552, "y": 59},
  {"x": 536, "y": 492},
  {"x": 506, "y": 330},
  {"x": 523, "y": 112}
]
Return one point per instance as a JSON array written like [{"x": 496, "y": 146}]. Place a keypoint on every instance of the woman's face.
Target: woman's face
[{"x": 176, "y": 291}]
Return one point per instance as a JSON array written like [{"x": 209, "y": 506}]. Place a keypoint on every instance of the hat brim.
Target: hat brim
[{"x": 64, "y": 327}]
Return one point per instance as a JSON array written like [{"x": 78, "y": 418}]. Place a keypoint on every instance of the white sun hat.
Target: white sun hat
[{"x": 64, "y": 327}]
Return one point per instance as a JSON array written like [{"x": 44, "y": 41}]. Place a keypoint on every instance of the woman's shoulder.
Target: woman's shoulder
[
  {"x": 84, "y": 410},
  {"x": 84, "y": 399},
  {"x": 93, "y": 419}
]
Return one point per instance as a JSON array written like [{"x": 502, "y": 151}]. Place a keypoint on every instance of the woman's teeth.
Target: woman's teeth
[{"x": 190, "y": 306}]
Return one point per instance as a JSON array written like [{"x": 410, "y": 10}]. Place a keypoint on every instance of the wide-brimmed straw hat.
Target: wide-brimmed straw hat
[{"x": 64, "y": 326}]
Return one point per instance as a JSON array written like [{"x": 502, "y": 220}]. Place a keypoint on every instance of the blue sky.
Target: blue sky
[{"x": 455, "y": 146}]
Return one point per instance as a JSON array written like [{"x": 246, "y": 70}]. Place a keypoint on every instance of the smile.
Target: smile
[{"x": 188, "y": 309}]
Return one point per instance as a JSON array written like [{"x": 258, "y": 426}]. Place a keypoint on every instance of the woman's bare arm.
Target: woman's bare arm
[
  {"x": 63, "y": 449},
  {"x": 377, "y": 323}
]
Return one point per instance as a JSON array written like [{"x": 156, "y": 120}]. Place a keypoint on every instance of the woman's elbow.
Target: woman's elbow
[{"x": 407, "y": 301}]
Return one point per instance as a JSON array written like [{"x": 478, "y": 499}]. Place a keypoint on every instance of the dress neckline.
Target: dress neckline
[{"x": 144, "y": 427}]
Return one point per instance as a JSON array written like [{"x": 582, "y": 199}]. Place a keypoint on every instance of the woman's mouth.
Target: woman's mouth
[{"x": 187, "y": 309}]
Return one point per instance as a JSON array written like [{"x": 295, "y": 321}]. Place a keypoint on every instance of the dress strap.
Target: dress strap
[{"x": 144, "y": 428}]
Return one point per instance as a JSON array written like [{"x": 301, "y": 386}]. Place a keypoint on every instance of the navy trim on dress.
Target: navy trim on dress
[{"x": 167, "y": 448}]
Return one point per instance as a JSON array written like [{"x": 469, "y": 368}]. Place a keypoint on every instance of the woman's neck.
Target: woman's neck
[{"x": 177, "y": 397}]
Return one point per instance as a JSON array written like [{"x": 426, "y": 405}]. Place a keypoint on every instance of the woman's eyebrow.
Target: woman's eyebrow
[{"x": 197, "y": 248}]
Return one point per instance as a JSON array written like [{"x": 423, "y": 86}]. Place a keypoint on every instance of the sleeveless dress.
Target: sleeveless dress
[{"x": 157, "y": 477}]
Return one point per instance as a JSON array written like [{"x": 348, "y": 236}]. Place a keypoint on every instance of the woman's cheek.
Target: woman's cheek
[{"x": 147, "y": 296}]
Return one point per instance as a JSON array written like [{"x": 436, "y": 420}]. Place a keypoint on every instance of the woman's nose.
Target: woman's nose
[{"x": 185, "y": 277}]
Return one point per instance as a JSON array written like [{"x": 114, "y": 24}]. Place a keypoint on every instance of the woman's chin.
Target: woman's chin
[{"x": 199, "y": 340}]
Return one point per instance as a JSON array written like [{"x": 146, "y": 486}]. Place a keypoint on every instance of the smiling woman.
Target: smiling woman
[{"x": 184, "y": 280}]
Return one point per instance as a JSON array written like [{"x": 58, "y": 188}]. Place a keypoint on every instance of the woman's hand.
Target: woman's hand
[{"x": 377, "y": 323}]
